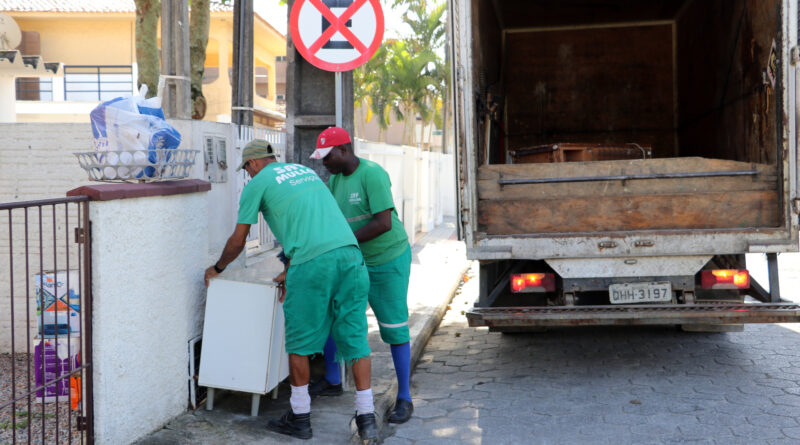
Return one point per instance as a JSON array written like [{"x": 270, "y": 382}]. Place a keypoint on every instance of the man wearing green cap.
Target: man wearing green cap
[{"x": 326, "y": 280}]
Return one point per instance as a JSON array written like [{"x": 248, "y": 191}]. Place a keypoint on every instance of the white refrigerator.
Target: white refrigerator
[{"x": 243, "y": 334}]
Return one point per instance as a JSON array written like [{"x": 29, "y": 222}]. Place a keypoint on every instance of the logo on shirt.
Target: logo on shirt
[
  {"x": 354, "y": 198},
  {"x": 290, "y": 171}
]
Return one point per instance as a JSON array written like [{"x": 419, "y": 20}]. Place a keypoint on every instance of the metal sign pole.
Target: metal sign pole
[{"x": 338, "y": 82}]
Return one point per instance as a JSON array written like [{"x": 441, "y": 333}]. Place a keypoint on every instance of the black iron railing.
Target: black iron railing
[
  {"x": 97, "y": 82},
  {"x": 46, "y": 333}
]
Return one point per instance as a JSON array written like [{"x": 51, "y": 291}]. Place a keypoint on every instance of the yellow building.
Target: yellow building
[{"x": 95, "y": 40}]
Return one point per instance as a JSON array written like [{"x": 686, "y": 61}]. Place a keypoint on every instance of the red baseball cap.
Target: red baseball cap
[{"x": 329, "y": 138}]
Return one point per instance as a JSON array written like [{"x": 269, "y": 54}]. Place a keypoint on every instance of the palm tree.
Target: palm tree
[
  {"x": 412, "y": 81},
  {"x": 407, "y": 78},
  {"x": 372, "y": 81},
  {"x": 427, "y": 26},
  {"x": 428, "y": 35}
]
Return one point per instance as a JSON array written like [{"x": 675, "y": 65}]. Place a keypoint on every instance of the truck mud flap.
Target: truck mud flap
[{"x": 630, "y": 315}]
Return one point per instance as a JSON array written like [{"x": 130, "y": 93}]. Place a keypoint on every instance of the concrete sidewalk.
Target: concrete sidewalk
[{"x": 437, "y": 268}]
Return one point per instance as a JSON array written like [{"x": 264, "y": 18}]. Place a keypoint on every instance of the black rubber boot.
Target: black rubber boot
[
  {"x": 323, "y": 388},
  {"x": 401, "y": 412},
  {"x": 291, "y": 424},
  {"x": 367, "y": 428}
]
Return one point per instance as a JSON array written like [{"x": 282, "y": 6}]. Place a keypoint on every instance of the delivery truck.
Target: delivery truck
[{"x": 616, "y": 159}]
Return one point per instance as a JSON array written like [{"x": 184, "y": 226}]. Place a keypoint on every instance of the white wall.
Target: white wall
[
  {"x": 37, "y": 162},
  {"x": 149, "y": 255},
  {"x": 423, "y": 183},
  {"x": 148, "y": 260}
]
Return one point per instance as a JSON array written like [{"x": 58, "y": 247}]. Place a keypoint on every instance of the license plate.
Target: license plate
[{"x": 626, "y": 293}]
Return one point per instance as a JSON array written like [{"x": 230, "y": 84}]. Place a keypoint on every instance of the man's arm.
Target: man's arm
[
  {"x": 233, "y": 247},
  {"x": 380, "y": 223}
]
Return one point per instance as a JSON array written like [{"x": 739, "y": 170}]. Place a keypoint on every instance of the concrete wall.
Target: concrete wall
[
  {"x": 149, "y": 255},
  {"x": 37, "y": 162},
  {"x": 148, "y": 260},
  {"x": 72, "y": 38},
  {"x": 393, "y": 134}
]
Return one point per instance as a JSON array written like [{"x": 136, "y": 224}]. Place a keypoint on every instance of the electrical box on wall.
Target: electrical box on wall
[{"x": 215, "y": 155}]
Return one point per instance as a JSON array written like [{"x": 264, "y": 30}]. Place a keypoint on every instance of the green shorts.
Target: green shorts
[
  {"x": 328, "y": 295},
  {"x": 388, "y": 297}
]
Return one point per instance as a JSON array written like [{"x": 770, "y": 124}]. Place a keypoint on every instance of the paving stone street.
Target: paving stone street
[{"x": 606, "y": 385}]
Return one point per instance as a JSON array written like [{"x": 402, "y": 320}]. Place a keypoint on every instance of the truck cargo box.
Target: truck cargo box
[
  {"x": 624, "y": 144},
  {"x": 705, "y": 88}
]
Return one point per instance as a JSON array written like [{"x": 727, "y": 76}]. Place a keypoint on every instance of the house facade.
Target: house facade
[{"x": 95, "y": 42}]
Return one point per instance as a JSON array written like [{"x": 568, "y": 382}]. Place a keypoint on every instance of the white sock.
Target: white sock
[
  {"x": 364, "y": 404},
  {"x": 300, "y": 400}
]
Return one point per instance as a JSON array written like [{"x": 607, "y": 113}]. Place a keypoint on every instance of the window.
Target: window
[
  {"x": 210, "y": 74},
  {"x": 262, "y": 81},
  {"x": 32, "y": 88},
  {"x": 97, "y": 82}
]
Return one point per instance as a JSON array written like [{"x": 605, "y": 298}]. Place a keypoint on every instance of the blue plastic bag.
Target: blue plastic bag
[{"x": 133, "y": 124}]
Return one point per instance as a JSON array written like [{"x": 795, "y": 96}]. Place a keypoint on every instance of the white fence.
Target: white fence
[
  {"x": 260, "y": 238},
  {"x": 423, "y": 183}
]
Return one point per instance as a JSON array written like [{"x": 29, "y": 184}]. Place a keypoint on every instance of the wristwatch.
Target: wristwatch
[{"x": 218, "y": 269}]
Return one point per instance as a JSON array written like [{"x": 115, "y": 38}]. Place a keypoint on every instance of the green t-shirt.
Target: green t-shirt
[
  {"x": 299, "y": 210},
  {"x": 365, "y": 192}
]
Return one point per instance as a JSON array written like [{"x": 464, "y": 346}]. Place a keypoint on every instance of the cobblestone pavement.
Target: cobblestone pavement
[{"x": 604, "y": 385}]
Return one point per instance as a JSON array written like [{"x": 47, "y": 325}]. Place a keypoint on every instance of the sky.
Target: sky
[{"x": 277, "y": 16}]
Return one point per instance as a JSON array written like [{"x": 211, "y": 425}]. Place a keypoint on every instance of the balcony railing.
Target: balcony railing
[{"x": 97, "y": 82}]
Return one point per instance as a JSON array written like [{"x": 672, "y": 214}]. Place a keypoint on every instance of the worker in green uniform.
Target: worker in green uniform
[
  {"x": 324, "y": 286},
  {"x": 364, "y": 194}
]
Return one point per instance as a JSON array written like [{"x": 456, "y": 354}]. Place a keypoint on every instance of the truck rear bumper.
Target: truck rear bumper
[{"x": 635, "y": 315}]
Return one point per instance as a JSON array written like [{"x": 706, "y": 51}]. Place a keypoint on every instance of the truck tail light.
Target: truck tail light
[
  {"x": 725, "y": 279},
  {"x": 533, "y": 282}
]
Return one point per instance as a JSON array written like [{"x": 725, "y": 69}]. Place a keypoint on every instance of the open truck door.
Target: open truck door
[{"x": 462, "y": 88}]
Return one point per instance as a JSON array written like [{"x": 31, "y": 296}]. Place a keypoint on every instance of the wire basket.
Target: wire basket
[{"x": 137, "y": 166}]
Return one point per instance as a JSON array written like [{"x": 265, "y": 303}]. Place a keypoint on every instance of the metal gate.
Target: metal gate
[{"x": 45, "y": 322}]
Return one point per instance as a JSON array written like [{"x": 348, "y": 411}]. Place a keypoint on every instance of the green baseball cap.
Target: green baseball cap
[{"x": 256, "y": 149}]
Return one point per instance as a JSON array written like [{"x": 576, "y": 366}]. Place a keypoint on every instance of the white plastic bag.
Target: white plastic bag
[{"x": 133, "y": 124}]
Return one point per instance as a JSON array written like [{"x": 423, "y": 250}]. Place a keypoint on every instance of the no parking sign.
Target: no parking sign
[{"x": 336, "y": 35}]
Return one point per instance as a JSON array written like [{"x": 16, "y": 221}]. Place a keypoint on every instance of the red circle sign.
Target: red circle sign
[{"x": 336, "y": 35}]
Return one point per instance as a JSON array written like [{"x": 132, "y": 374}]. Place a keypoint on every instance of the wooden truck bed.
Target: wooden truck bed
[{"x": 651, "y": 194}]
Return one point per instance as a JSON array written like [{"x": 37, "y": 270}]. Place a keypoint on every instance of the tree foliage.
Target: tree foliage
[{"x": 407, "y": 77}]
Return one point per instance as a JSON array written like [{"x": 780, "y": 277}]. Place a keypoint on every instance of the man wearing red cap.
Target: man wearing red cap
[
  {"x": 318, "y": 243},
  {"x": 364, "y": 194}
]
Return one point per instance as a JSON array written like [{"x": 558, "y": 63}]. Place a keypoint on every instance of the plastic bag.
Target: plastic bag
[{"x": 133, "y": 124}]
